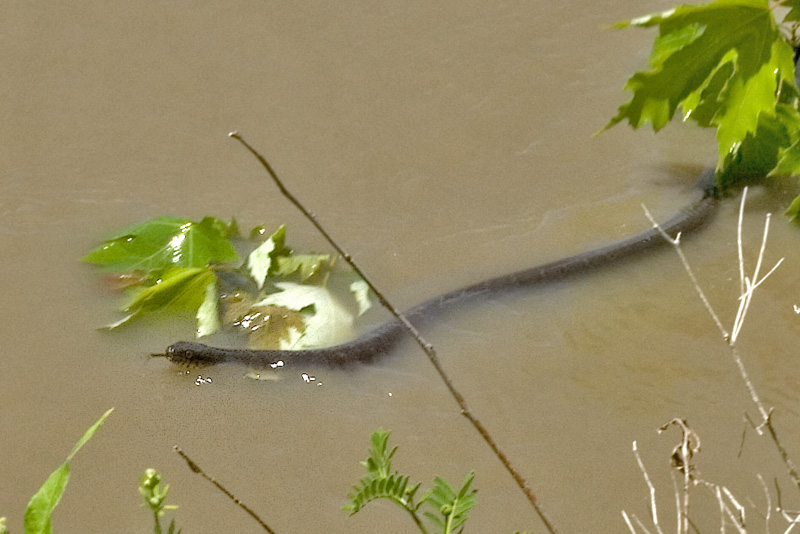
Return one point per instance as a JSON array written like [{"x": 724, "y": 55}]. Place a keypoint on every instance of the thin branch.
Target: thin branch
[
  {"x": 426, "y": 347},
  {"x": 196, "y": 468}
]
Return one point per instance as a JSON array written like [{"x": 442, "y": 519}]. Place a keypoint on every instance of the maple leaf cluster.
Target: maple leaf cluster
[{"x": 730, "y": 65}]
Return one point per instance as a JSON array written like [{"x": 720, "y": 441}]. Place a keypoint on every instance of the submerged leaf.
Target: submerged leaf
[
  {"x": 327, "y": 322},
  {"x": 163, "y": 243},
  {"x": 270, "y": 327}
]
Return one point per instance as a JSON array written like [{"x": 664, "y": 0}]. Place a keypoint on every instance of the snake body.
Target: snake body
[{"x": 381, "y": 339}]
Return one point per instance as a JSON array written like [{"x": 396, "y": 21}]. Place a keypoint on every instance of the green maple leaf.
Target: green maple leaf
[
  {"x": 721, "y": 62},
  {"x": 769, "y": 151},
  {"x": 166, "y": 242},
  {"x": 192, "y": 289}
]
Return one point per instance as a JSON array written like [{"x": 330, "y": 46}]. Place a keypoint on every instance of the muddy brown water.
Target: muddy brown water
[{"x": 441, "y": 143}]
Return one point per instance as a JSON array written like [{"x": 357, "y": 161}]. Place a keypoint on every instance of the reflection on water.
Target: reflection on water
[{"x": 441, "y": 143}]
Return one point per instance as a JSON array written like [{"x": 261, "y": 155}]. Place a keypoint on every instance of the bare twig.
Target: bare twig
[
  {"x": 426, "y": 347},
  {"x": 196, "y": 468}
]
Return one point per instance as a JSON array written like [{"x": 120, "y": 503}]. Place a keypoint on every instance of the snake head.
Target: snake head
[{"x": 189, "y": 354}]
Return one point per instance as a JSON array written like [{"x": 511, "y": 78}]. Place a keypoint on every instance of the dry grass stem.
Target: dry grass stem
[
  {"x": 682, "y": 456},
  {"x": 651, "y": 488},
  {"x": 768, "y": 498},
  {"x": 676, "y": 243},
  {"x": 731, "y": 511},
  {"x": 747, "y": 285}
]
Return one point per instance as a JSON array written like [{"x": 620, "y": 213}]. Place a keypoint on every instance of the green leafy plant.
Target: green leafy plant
[
  {"x": 38, "y": 514},
  {"x": 727, "y": 64},
  {"x": 155, "y": 495},
  {"x": 278, "y": 298},
  {"x": 448, "y": 508}
]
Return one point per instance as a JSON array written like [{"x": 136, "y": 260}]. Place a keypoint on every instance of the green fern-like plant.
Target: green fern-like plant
[{"x": 450, "y": 508}]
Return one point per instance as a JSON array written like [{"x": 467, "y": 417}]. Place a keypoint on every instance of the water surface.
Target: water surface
[{"x": 440, "y": 143}]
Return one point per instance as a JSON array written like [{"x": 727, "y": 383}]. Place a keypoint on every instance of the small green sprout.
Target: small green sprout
[{"x": 154, "y": 495}]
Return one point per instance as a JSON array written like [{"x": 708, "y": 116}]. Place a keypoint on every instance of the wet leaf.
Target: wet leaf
[
  {"x": 208, "y": 313},
  {"x": 165, "y": 242},
  {"x": 262, "y": 261},
  {"x": 307, "y": 265},
  {"x": 327, "y": 320},
  {"x": 360, "y": 291},
  {"x": 177, "y": 289},
  {"x": 794, "y": 10}
]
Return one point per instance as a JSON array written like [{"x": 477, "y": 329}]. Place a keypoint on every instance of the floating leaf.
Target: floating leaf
[
  {"x": 166, "y": 262},
  {"x": 165, "y": 242},
  {"x": 360, "y": 290},
  {"x": 794, "y": 10},
  {"x": 261, "y": 262},
  {"x": 208, "y": 312},
  {"x": 307, "y": 264},
  {"x": 179, "y": 289}
]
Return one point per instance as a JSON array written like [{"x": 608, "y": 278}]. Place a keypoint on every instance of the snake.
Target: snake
[{"x": 381, "y": 339}]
